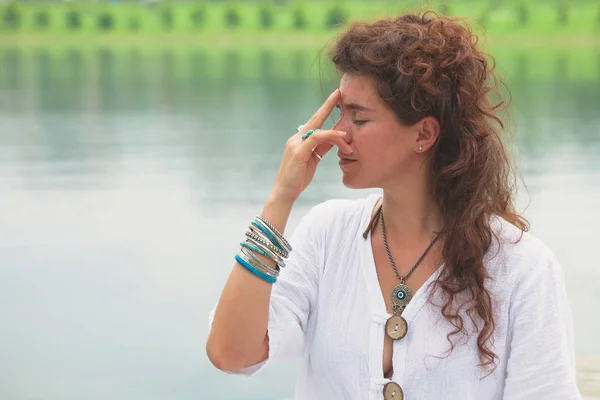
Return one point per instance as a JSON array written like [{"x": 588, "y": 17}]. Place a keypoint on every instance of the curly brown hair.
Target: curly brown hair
[{"x": 430, "y": 65}]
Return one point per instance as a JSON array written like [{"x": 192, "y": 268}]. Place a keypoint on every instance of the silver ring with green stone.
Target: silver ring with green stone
[{"x": 307, "y": 134}]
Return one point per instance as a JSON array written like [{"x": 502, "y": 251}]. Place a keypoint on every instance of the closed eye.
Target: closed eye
[{"x": 360, "y": 121}]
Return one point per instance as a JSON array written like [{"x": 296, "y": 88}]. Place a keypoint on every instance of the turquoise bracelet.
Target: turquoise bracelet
[
  {"x": 256, "y": 249},
  {"x": 254, "y": 271},
  {"x": 275, "y": 242}
]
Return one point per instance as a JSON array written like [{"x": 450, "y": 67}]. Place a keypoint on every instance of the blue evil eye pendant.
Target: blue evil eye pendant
[
  {"x": 401, "y": 296},
  {"x": 396, "y": 326}
]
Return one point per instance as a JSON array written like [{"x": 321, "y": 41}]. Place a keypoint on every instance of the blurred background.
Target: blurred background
[{"x": 138, "y": 139}]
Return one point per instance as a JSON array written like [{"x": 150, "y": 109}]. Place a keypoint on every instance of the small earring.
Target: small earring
[{"x": 420, "y": 148}]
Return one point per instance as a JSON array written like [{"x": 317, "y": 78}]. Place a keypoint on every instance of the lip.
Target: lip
[
  {"x": 345, "y": 161},
  {"x": 341, "y": 156}
]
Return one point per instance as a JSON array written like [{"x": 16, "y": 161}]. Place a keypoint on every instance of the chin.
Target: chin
[{"x": 351, "y": 183}]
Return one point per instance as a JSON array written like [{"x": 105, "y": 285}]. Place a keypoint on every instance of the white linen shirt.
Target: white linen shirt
[{"x": 327, "y": 307}]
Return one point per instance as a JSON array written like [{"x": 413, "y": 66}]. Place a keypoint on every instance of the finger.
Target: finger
[
  {"x": 332, "y": 137},
  {"x": 318, "y": 119},
  {"x": 322, "y": 149}
]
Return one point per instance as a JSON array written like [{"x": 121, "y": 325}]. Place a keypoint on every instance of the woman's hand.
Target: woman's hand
[{"x": 299, "y": 161}]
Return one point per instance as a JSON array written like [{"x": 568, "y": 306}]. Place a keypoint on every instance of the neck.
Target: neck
[{"x": 410, "y": 213}]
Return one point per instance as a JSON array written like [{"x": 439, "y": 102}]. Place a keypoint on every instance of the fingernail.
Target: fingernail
[{"x": 334, "y": 92}]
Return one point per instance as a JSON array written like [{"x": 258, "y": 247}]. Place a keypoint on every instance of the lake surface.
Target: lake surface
[{"x": 128, "y": 178}]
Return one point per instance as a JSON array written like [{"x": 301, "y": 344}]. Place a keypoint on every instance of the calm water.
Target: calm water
[{"x": 128, "y": 178}]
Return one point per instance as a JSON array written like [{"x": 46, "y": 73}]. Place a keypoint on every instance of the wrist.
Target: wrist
[
  {"x": 277, "y": 210},
  {"x": 281, "y": 199}
]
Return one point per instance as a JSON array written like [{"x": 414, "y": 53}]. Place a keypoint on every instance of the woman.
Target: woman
[{"x": 433, "y": 290}]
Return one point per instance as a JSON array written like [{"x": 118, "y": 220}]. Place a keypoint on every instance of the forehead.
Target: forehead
[{"x": 359, "y": 88}]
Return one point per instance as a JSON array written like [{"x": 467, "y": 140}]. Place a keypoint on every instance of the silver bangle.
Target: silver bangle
[
  {"x": 267, "y": 269},
  {"x": 270, "y": 253},
  {"x": 260, "y": 240},
  {"x": 254, "y": 230},
  {"x": 255, "y": 265},
  {"x": 284, "y": 243},
  {"x": 247, "y": 256},
  {"x": 266, "y": 238},
  {"x": 271, "y": 229}
]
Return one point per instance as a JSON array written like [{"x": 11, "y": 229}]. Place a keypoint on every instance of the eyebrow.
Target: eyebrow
[{"x": 354, "y": 106}]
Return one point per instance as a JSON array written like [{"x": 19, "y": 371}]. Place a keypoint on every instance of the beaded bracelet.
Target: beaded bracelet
[
  {"x": 266, "y": 232},
  {"x": 263, "y": 243},
  {"x": 275, "y": 233},
  {"x": 258, "y": 239},
  {"x": 276, "y": 257},
  {"x": 256, "y": 231},
  {"x": 263, "y": 238}
]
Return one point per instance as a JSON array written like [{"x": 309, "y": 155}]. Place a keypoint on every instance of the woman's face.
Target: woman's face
[{"x": 384, "y": 149}]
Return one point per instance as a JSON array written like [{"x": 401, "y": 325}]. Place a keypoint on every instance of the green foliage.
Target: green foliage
[
  {"x": 106, "y": 21},
  {"x": 198, "y": 17},
  {"x": 73, "y": 20},
  {"x": 41, "y": 19},
  {"x": 12, "y": 17},
  {"x": 445, "y": 9},
  {"x": 232, "y": 17},
  {"x": 523, "y": 13},
  {"x": 563, "y": 12},
  {"x": 167, "y": 18},
  {"x": 495, "y": 4},
  {"x": 336, "y": 16},
  {"x": 299, "y": 18},
  {"x": 265, "y": 17},
  {"x": 134, "y": 23},
  {"x": 499, "y": 17},
  {"x": 484, "y": 15}
]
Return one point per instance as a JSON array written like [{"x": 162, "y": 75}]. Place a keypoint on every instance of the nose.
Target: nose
[{"x": 342, "y": 126}]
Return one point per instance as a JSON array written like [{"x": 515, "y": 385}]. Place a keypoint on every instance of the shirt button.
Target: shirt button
[
  {"x": 392, "y": 391},
  {"x": 396, "y": 327}
]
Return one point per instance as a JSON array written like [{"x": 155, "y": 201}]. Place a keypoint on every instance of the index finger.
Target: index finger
[{"x": 318, "y": 119}]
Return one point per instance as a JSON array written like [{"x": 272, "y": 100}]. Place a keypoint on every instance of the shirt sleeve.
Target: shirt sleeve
[
  {"x": 541, "y": 363},
  {"x": 293, "y": 296}
]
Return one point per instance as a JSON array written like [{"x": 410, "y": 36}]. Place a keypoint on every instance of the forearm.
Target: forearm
[{"x": 238, "y": 336}]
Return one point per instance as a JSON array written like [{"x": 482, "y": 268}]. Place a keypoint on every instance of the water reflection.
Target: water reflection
[
  {"x": 129, "y": 174},
  {"x": 236, "y": 101}
]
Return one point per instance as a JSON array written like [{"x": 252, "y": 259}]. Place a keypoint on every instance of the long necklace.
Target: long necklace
[{"x": 396, "y": 326}]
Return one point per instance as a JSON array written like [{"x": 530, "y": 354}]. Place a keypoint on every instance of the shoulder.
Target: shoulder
[
  {"x": 342, "y": 210},
  {"x": 516, "y": 256},
  {"x": 338, "y": 216},
  {"x": 516, "y": 244}
]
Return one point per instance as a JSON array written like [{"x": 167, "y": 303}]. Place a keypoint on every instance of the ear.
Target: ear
[{"x": 428, "y": 133}]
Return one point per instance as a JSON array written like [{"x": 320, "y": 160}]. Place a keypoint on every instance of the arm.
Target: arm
[
  {"x": 238, "y": 337},
  {"x": 280, "y": 332},
  {"x": 251, "y": 314},
  {"x": 541, "y": 363}
]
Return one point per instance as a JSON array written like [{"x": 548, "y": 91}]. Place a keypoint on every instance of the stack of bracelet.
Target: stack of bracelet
[{"x": 262, "y": 238}]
